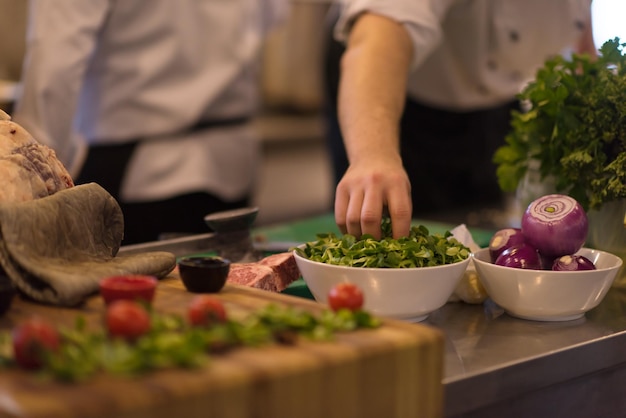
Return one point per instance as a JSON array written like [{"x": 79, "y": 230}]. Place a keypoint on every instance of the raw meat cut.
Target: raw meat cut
[
  {"x": 254, "y": 275},
  {"x": 284, "y": 266},
  {"x": 273, "y": 273}
]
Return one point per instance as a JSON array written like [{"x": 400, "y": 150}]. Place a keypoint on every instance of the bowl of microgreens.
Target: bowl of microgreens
[{"x": 406, "y": 278}]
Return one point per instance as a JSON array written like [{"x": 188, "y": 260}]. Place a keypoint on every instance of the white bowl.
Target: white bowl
[
  {"x": 545, "y": 295},
  {"x": 402, "y": 293}
]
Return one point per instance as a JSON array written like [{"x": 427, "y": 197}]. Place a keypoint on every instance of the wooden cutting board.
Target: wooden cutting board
[{"x": 394, "y": 371}]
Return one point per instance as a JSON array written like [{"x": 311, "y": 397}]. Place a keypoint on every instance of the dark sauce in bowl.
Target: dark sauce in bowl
[{"x": 204, "y": 274}]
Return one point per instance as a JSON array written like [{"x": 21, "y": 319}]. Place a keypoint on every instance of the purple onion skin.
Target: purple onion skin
[
  {"x": 522, "y": 256},
  {"x": 556, "y": 225},
  {"x": 573, "y": 263},
  {"x": 547, "y": 261},
  {"x": 504, "y": 239}
]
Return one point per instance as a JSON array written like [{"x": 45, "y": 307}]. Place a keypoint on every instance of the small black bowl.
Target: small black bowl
[
  {"x": 204, "y": 274},
  {"x": 7, "y": 293}
]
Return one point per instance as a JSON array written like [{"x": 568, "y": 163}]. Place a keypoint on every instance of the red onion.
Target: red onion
[
  {"x": 522, "y": 256},
  {"x": 503, "y": 239},
  {"x": 555, "y": 224},
  {"x": 547, "y": 261},
  {"x": 572, "y": 263}
]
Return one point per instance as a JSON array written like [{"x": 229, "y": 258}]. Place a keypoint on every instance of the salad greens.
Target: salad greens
[
  {"x": 575, "y": 128},
  {"x": 419, "y": 249},
  {"x": 172, "y": 342}
]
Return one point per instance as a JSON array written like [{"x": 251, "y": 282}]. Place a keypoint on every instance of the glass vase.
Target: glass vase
[{"x": 607, "y": 232}]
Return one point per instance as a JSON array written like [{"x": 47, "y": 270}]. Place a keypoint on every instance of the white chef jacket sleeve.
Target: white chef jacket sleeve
[
  {"x": 61, "y": 36},
  {"x": 421, "y": 18}
]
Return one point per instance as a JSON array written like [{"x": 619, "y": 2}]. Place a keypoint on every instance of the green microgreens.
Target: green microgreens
[{"x": 419, "y": 249}]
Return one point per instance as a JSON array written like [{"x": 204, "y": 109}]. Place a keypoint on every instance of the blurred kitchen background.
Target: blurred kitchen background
[{"x": 296, "y": 178}]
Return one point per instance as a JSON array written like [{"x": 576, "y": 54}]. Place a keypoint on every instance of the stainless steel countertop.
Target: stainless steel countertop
[{"x": 491, "y": 356}]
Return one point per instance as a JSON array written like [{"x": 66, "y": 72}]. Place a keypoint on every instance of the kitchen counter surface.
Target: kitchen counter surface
[{"x": 496, "y": 365}]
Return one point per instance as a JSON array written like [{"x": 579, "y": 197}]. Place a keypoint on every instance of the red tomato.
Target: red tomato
[
  {"x": 127, "y": 319},
  {"x": 133, "y": 287},
  {"x": 31, "y": 340},
  {"x": 345, "y": 296},
  {"x": 206, "y": 310}
]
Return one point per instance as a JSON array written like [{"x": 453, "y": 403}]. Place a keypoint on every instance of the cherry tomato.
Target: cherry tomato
[
  {"x": 132, "y": 286},
  {"x": 127, "y": 319},
  {"x": 345, "y": 296},
  {"x": 31, "y": 340},
  {"x": 205, "y": 310}
]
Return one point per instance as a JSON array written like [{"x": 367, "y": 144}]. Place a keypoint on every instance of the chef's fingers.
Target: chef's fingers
[
  {"x": 372, "y": 212},
  {"x": 353, "y": 212},
  {"x": 342, "y": 197},
  {"x": 400, "y": 208}
]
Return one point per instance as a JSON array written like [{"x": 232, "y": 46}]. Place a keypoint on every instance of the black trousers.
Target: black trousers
[
  {"x": 149, "y": 221},
  {"x": 447, "y": 156}
]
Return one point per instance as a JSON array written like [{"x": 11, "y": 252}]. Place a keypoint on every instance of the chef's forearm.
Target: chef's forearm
[{"x": 373, "y": 86}]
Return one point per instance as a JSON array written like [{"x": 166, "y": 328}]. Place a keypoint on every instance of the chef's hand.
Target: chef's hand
[{"x": 368, "y": 187}]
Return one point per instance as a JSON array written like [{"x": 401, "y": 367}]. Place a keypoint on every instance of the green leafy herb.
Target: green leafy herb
[
  {"x": 419, "y": 249},
  {"x": 575, "y": 128},
  {"x": 172, "y": 342}
]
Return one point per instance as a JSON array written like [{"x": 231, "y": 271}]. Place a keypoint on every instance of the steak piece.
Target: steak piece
[
  {"x": 28, "y": 170},
  {"x": 273, "y": 273},
  {"x": 284, "y": 266},
  {"x": 254, "y": 275}
]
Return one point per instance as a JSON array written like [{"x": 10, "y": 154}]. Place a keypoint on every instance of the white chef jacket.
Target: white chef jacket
[
  {"x": 106, "y": 71},
  {"x": 472, "y": 54}
]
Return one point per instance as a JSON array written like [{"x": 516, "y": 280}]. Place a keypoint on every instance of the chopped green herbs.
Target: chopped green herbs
[
  {"x": 172, "y": 342},
  {"x": 419, "y": 249},
  {"x": 575, "y": 128}
]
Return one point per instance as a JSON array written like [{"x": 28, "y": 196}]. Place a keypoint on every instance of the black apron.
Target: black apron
[{"x": 150, "y": 221}]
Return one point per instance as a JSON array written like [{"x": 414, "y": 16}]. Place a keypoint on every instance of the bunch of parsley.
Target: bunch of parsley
[{"x": 575, "y": 127}]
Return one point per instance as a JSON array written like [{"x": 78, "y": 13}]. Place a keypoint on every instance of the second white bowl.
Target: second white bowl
[{"x": 546, "y": 295}]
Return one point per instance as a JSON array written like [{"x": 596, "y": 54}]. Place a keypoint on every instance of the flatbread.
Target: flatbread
[{"x": 56, "y": 249}]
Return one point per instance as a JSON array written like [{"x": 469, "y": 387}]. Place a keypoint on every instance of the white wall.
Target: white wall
[{"x": 609, "y": 20}]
